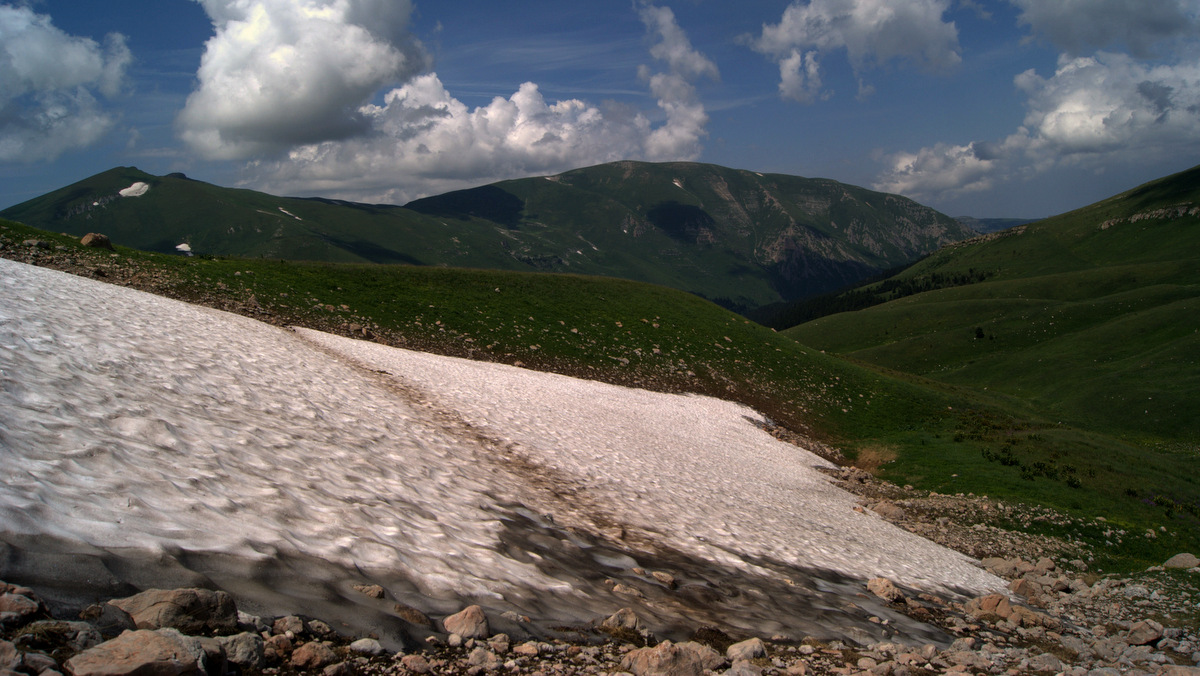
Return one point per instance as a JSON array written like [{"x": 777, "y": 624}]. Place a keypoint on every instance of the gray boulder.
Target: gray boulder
[
  {"x": 1182, "y": 561},
  {"x": 143, "y": 652},
  {"x": 664, "y": 659},
  {"x": 245, "y": 650},
  {"x": 191, "y": 611},
  {"x": 471, "y": 622},
  {"x": 746, "y": 650}
]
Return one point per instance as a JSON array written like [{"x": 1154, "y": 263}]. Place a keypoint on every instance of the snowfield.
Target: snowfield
[{"x": 134, "y": 423}]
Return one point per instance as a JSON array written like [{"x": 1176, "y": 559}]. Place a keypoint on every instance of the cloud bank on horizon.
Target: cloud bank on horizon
[{"x": 348, "y": 98}]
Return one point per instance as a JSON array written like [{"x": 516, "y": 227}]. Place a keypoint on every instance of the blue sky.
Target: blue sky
[{"x": 989, "y": 108}]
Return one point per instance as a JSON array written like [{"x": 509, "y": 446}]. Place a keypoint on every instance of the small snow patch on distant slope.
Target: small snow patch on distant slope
[{"x": 136, "y": 190}]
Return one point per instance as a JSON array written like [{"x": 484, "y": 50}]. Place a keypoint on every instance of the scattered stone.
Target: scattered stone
[
  {"x": 664, "y": 659},
  {"x": 415, "y": 663},
  {"x": 709, "y": 658},
  {"x": 96, "y": 240},
  {"x": 471, "y": 622},
  {"x": 191, "y": 611},
  {"x": 1144, "y": 633},
  {"x": 624, "y": 618},
  {"x": 664, "y": 578},
  {"x": 277, "y": 647},
  {"x": 746, "y": 650},
  {"x": 245, "y": 650},
  {"x": 339, "y": 669},
  {"x": 1182, "y": 561},
  {"x": 884, "y": 589},
  {"x": 414, "y": 616},
  {"x": 313, "y": 655},
  {"x": 108, "y": 619},
  {"x": 367, "y": 646},
  {"x": 142, "y": 652},
  {"x": 290, "y": 624},
  {"x": 889, "y": 510},
  {"x": 744, "y": 668},
  {"x": 372, "y": 590}
]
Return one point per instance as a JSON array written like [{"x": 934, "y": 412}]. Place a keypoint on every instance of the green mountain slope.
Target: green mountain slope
[
  {"x": 741, "y": 238},
  {"x": 1091, "y": 317}
]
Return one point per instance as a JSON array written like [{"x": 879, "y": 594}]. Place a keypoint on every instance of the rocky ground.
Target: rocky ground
[{"x": 1059, "y": 617}]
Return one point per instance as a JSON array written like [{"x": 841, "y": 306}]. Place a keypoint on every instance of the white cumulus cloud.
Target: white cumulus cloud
[
  {"x": 422, "y": 140},
  {"x": 279, "y": 73},
  {"x": 1079, "y": 26},
  {"x": 871, "y": 32},
  {"x": 49, "y": 86},
  {"x": 1093, "y": 111}
]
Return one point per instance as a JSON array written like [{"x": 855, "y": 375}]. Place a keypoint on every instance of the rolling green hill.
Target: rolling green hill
[
  {"x": 1090, "y": 319},
  {"x": 740, "y": 238}
]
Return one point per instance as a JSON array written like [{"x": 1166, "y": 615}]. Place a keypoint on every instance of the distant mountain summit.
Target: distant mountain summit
[{"x": 740, "y": 238}]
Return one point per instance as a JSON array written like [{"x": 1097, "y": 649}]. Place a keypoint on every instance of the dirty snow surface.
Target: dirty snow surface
[{"x": 133, "y": 423}]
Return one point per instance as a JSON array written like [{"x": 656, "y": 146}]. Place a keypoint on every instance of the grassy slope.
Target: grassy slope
[
  {"x": 1090, "y": 320},
  {"x": 655, "y": 337}
]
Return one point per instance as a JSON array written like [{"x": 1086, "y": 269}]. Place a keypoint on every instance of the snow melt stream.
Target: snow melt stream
[{"x": 130, "y": 422}]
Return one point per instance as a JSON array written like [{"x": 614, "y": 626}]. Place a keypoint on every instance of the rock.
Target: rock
[
  {"x": 367, "y": 646},
  {"x": 36, "y": 243},
  {"x": 290, "y": 623},
  {"x": 626, "y": 590},
  {"x": 709, "y": 658},
  {"x": 664, "y": 578},
  {"x": 889, "y": 510},
  {"x": 1178, "y": 670},
  {"x": 339, "y": 669},
  {"x": 277, "y": 647},
  {"x": 994, "y": 604},
  {"x": 372, "y": 590},
  {"x": 17, "y": 609},
  {"x": 96, "y": 240},
  {"x": 191, "y": 611},
  {"x": 214, "y": 655},
  {"x": 414, "y": 616},
  {"x": 499, "y": 643},
  {"x": 313, "y": 655},
  {"x": 746, "y": 650},
  {"x": 664, "y": 659},
  {"x": 527, "y": 649},
  {"x": 39, "y": 663},
  {"x": 743, "y": 668},
  {"x": 77, "y": 635},
  {"x": 1144, "y": 633},
  {"x": 143, "y": 652},
  {"x": 624, "y": 618},
  {"x": 1000, "y": 567},
  {"x": 1045, "y": 662},
  {"x": 415, "y": 663},
  {"x": 246, "y": 650},
  {"x": 108, "y": 619},
  {"x": 884, "y": 589},
  {"x": 470, "y": 622},
  {"x": 1023, "y": 587},
  {"x": 10, "y": 657},
  {"x": 1182, "y": 561},
  {"x": 482, "y": 657},
  {"x": 319, "y": 627}
]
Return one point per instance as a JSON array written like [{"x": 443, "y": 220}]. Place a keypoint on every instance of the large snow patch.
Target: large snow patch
[{"x": 133, "y": 421}]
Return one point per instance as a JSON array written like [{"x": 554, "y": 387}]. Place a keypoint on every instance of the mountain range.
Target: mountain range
[{"x": 743, "y": 239}]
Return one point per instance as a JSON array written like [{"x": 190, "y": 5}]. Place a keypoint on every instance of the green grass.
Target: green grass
[
  {"x": 656, "y": 337},
  {"x": 1088, "y": 322}
]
